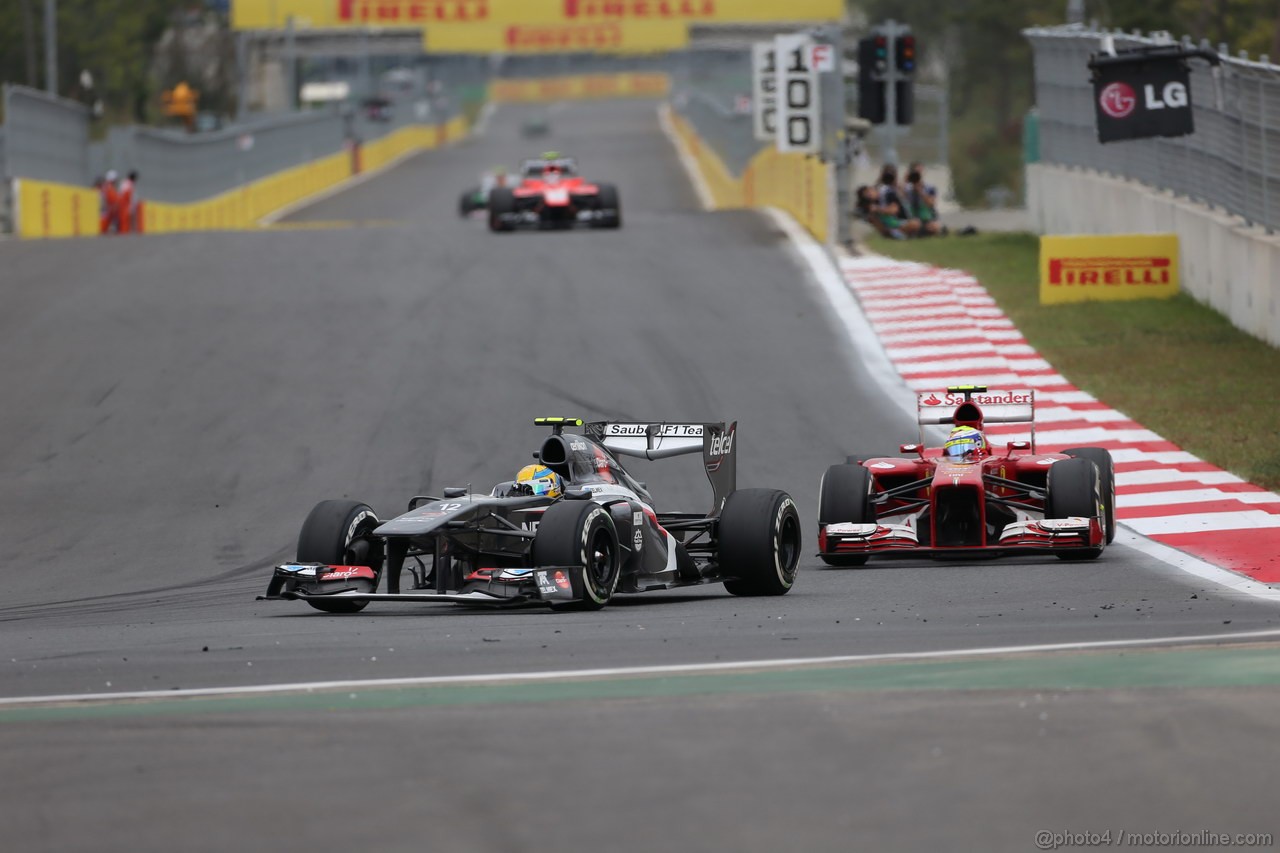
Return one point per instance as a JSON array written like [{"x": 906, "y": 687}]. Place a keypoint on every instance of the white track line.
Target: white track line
[{"x": 622, "y": 671}]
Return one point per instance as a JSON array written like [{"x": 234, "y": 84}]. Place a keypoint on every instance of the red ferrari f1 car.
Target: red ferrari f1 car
[
  {"x": 964, "y": 499},
  {"x": 551, "y": 194}
]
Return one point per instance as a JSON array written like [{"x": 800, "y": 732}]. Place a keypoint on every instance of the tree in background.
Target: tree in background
[
  {"x": 986, "y": 63},
  {"x": 114, "y": 40}
]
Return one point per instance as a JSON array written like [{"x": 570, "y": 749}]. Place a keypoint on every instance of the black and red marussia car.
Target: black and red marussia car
[
  {"x": 1001, "y": 501},
  {"x": 551, "y": 194}
]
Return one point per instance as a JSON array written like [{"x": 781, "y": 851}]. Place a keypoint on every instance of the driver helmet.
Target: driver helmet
[
  {"x": 966, "y": 444},
  {"x": 539, "y": 480}
]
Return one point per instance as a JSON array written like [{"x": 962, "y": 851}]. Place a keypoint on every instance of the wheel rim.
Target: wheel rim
[
  {"x": 601, "y": 559},
  {"x": 788, "y": 546}
]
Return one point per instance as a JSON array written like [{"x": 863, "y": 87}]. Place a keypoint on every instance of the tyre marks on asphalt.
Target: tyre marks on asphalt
[{"x": 940, "y": 327}]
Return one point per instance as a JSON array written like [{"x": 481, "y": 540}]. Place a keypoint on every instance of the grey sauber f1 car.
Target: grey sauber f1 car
[
  {"x": 601, "y": 535},
  {"x": 976, "y": 503}
]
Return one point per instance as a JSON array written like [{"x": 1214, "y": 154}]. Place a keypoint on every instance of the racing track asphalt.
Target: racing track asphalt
[{"x": 175, "y": 405}]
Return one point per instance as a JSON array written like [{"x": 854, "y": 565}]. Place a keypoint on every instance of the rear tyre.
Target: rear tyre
[
  {"x": 1106, "y": 482},
  {"x": 759, "y": 542},
  {"x": 845, "y": 498},
  {"x": 501, "y": 201},
  {"x": 339, "y": 533},
  {"x": 609, "y": 201},
  {"x": 467, "y": 203},
  {"x": 1073, "y": 492},
  {"x": 581, "y": 535}
]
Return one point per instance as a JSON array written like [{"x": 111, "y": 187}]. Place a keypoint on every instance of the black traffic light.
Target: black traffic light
[
  {"x": 873, "y": 62},
  {"x": 904, "y": 54},
  {"x": 905, "y": 109}
]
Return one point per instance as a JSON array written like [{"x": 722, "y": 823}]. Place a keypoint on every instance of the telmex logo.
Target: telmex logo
[
  {"x": 1108, "y": 271},
  {"x": 669, "y": 9},
  {"x": 413, "y": 11},
  {"x": 605, "y": 35}
]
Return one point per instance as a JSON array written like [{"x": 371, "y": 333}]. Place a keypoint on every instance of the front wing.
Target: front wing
[
  {"x": 505, "y": 588},
  {"x": 900, "y": 540}
]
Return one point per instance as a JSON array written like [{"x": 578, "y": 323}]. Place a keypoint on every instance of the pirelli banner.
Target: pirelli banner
[
  {"x": 274, "y": 14},
  {"x": 1085, "y": 267},
  {"x": 592, "y": 37}
]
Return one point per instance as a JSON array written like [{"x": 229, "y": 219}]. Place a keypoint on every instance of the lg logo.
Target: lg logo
[
  {"x": 1118, "y": 99},
  {"x": 1174, "y": 95}
]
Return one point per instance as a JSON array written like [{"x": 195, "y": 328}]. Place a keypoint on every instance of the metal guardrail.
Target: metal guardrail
[
  {"x": 709, "y": 84},
  {"x": 706, "y": 88},
  {"x": 46, "y": 138},
  {"x": 1231, "y": 162},
  {"x": 179, "y": 167}
]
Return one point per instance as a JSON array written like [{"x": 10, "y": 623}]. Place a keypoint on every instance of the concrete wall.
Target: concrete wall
[{"x": 1226, "y": 264}]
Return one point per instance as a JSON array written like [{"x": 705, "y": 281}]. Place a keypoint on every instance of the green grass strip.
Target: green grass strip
[
  {"x": 1173, "y": 365},
  {"x": 1182, "y": 668}
]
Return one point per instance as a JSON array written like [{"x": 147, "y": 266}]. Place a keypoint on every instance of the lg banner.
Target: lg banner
[{"x": 1139, "y": 95}]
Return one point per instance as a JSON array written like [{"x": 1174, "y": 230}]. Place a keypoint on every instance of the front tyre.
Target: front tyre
[
  {"x": 580, "y": 535},
  {"x": 844, "y": 497},
  {"x": 609, "y": 200},
  {"x": 1106, "y": 481},
  {"x": 759, "y": 542},
  {"x": 1073, "y": 492},
  {"x": 340, "y": 533},
  {"x": 502, "y": 204}
]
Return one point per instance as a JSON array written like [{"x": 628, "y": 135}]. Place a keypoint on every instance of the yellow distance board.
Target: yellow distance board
[
  {"x": 274, "y": 14},
  {"x": 1084, "y": 267},
  {"x": 601, "y": 37}
]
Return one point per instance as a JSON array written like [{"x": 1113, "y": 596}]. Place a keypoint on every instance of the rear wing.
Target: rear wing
[
  {"x": 647, "y": 440},
  {"x": 976, "y": 406}
]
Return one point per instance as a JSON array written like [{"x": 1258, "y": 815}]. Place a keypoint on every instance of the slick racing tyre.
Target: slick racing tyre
[
  {"x": 1106, "y": 482},
  {"x": 609, "y": 201},
  {"x": 845, "y": 498},
  {"x": 1073, "y": 492},
  {"x": 581, "y": 535},
  {"x": 501, "y": 201},
  {"x": 759, "y": 542},
  {"x": 467, "y": 202},
  {"x": 337, "y": 533}
]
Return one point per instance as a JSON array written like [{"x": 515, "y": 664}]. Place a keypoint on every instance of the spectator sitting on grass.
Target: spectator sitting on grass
[
  {"x": 885, "y": 219},
  {"x": 921, "y": 202},
  {"x": 894, "y": 215}
]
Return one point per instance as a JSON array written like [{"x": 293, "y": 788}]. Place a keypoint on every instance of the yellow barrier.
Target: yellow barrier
[
  {"x": 791, "y": 182},
  {"x": 577, "y": 87},
  {"x": 55, "y": 210}
]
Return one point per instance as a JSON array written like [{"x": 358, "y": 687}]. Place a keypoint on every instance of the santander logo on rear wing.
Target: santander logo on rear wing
[{"x": 977, "y": 406}]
